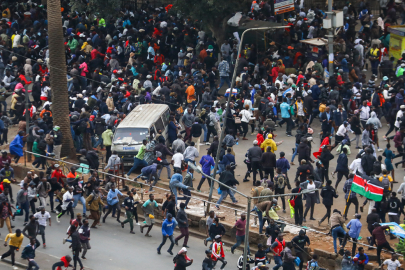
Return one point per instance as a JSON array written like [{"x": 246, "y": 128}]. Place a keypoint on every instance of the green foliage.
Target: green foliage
[
  {"x": 400, "y": 248},
  {"x": 211, "y": 12},
  {"x": 102, "y": 8}
]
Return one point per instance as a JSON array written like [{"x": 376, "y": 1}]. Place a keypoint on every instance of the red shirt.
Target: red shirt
[
  {"x": 240, "y": 224},
  {"x": 58, "y": 174},
  {"x": 4, "y": 160}
]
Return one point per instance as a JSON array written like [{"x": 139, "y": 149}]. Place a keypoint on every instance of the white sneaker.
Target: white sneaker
[
  {"x": 138, "y": 224},
  {"x": 15, "y": 267},
  {"x": 57, "y": 219},
  {"x": 253, "y": 226},
  {"x": 64, "y": 240},
  {"x": 127, "y": 176},
  {"x": 379, "y": 150}
]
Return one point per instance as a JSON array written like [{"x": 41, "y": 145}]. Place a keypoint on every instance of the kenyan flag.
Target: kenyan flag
[{"x": 367, "y": 186}]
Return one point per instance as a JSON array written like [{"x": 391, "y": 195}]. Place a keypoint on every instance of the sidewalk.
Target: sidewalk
[{"x": 45, "y": 261}]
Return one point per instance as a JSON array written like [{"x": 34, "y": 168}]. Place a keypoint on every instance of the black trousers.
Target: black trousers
[
  {"x": 256, "y": 165},
  {"x": 76, "y": 258},
  {"x": 325, "y": 174},
  {"x": 269, "y": 171},
  {"x": 328, "y": 212},
  {"x": 245, "y": 127},
  {"x": 110, "y": 208},
  {"x": 202, "y": 182},
  {"x": 108, "y": 153},
  {"x": 340, "y": 176},
  {"x": 386, "y": 245},
  {"x": 299, "y": 213},
  {"x": 11, "y": 252},
  {"x": 349, "y": 202},
  {"x": 211, "y": 129},
  {"x": 281, "y": 191}
]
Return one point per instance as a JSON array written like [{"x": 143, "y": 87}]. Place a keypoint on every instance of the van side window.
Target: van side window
[
  {"x": 159, "y": 124},
  {"x": 165, "y": 118}
]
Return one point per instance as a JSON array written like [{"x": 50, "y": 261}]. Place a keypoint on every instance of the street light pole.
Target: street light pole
[
  {"x": 330, "y": 39},
  {"x": 229, "y": 100}
]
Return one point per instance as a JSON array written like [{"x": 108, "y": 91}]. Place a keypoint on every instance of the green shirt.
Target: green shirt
[
  {"x": 73, "y": 44},
  {"x": 141, "y": 152}
]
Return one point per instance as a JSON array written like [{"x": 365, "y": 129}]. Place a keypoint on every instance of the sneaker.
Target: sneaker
[
  {"x": 385, "y": 138},
  {"x": 289, "y": 135},
  {"x": 190, "y": 188},
  {"x": 205, "y": 243},
  {"x": 57, "y": 219},
  {"x": 361, "y": 209},
  {"x": 158, "y": 251},
  {"x": 44, "y": 245},
  {"x": 64, "y": 240},
  {"x": 127, "y": 176},
  {"x": 138, "y": 224},
  {"x": 15, "y": 267},
  {"x": 292, "y": 163},
  {"x": 170, "y": 252},
  {"x": 379, "y": 150},
  {"x": 253, "y": 226}
]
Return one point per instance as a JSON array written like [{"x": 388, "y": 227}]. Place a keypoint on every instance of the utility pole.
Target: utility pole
[{"x": 330, "y": 38}]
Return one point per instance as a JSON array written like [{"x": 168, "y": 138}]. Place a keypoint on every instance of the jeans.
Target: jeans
[
  {"x": 223, "y": 80},
  {"x": 25, "y": 207},
  {"x": 110, "y": 208},
  {"x": 278, "y": 262},
  {"x": 76, "y": 199},
  {"x": 295, "y": 152},
  {"x": 224, "y": 194},
  {"x": 239, "y": 240},
  {"x": 137, "y": 162},
  {"x": 204, "y": 127},
  {"x": 221, "y": 168},
  {"x": 335, "y": 232},
  {"x": 32, "y": 265},
  {"x": 261, "y": 223},
  {"x": 187, "y": 196},
  {"x": 98, "y": 142},
  {"x": 174, "y": 186},
  {"x": 164, "y": 238},
  {"x": 42, "y": 233},
  {"x": 4, "y": 103},
  {"x": 169, "y": 175}
]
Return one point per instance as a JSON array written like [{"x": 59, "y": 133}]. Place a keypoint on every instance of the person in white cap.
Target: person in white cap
[
  {"x": 182, "y": 261},
  {"x": 148, "y": 83}
]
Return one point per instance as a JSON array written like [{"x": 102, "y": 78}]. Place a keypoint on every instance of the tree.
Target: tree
[
  {"x": 57, "y": 62},
  {"x": 213, "y": 14},
  {"x": 100, "y": 8}
]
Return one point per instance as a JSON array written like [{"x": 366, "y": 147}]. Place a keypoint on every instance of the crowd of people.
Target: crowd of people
[{"x": 152, "y": 55}]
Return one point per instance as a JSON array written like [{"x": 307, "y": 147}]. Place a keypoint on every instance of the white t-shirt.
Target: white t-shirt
[
  {"x": 392, "y": 265},
  {"x": 42, "y": 218},
  {"x": 311, "y": 187},
  {"x": 177, "y": 158}
]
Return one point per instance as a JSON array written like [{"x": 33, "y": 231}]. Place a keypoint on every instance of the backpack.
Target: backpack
[
  {"x": 175, "y": 258},
  {"x": 386, "y": 183},
  {"x": 377, "y": 167},
  {"x": 42, "y": 145},
  {"x": 82, "y": 127},
  {"x": 281, "y": 181}
]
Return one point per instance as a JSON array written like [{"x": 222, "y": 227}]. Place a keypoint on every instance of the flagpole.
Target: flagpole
[{"x": 348, "y": 197}]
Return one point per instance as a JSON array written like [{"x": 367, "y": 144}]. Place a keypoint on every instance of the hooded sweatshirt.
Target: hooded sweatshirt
[
  {"x": 374, "y": 121},
  {"x": 28, "y": 68},
  {"x": 168, "y": 226},
  {"x": 401, "y": 189}
]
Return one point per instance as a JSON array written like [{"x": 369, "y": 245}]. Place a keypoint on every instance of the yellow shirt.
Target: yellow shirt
[
  {"x": 322, "y": 108},
  {"x": 15, "y": 241},
  {"x": 389, "y": 178}
]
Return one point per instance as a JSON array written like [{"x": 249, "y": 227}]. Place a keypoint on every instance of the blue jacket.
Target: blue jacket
[
  {"x": 29, "y": 251},
  {"x": 16, "y": 146},
  {"x": 315, "y": 92},
  {"x": 149, "y": 169},
  {"x": 284, "y": 107},
  {"x": 111, "y": 194},
  {"x": 342, "y": 162},
  {"x": 366, "y": 260},
  {"x": 167, "y": 227},
  {"x": 337, "y": 117},
  {"x": 227, "y": 159},
  {"x": 283, "y": 164},
  {"x": 345, "y": 65},
  {"x": 176, "y": 177},
  {"x": 354, "y": 227},
  {"x": 207, "y": 161}
]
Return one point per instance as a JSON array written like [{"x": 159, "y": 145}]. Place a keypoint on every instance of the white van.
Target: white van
[{"x": 142, "y": 122}]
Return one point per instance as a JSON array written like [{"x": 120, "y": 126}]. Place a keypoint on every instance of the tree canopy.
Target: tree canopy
[{"x": 101, "y": 8}]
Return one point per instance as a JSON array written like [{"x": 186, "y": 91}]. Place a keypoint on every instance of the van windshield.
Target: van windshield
[{"x": 130, "y": 136}]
